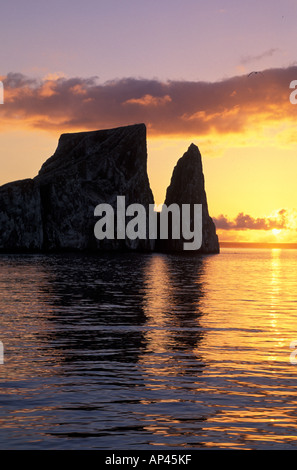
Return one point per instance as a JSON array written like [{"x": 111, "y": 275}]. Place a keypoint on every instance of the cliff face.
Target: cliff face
[
  {"x": 187, "y": 187},
  {"x": 55, "y": 210},
  {"x": 20, "y": 217}
]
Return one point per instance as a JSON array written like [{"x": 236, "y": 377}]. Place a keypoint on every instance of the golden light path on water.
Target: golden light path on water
[{"x": 245, "y": 310}]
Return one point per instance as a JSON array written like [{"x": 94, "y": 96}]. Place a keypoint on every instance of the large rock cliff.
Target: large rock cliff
[{"x": 55, "y": 210}]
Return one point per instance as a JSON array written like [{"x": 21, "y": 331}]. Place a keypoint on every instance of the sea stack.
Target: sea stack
[{"x": 187, "y": 187}]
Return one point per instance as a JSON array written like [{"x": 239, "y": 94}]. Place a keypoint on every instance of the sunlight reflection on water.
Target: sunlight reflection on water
[{"x": 136, "y": 351}]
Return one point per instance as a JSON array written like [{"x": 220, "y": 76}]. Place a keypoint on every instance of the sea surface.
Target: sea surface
[{"x": 149, "y": 351}]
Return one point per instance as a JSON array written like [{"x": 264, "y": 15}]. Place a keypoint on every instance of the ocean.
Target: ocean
[{"x": 149, "y": 351}]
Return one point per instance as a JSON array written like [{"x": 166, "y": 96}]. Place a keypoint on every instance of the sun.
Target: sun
[{"x": 276, "y": 231}]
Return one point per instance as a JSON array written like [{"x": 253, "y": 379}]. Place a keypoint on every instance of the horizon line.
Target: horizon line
[{"x": 258, "y": 245}]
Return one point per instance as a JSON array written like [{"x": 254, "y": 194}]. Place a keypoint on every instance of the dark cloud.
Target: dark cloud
[
  {"x": 18, "y": 80},
  {"x": 247, "y": 222},
  {"x": 174, "y": 107}
]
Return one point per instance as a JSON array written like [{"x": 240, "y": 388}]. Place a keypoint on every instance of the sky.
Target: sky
[{"x": 184, "y": 68}]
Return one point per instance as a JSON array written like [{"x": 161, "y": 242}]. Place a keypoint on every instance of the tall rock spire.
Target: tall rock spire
[{"x": 187, "y": 187}]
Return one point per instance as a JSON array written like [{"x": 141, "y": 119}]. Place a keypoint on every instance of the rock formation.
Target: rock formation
[
  {"x": 20, "y": 217},
  {"x": 55, "y": 210},
  {"x": 187, "y": 187}
]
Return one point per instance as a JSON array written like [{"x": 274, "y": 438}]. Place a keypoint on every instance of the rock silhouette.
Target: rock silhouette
[
  {"x": 187, "y": 187},
  {"x": 54, "y": 212}
]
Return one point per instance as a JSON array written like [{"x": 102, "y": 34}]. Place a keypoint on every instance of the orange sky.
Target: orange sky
[{"x": 244, "y": 127}]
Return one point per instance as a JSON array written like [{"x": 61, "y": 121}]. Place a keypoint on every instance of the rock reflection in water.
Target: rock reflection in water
[
  {"x": 123, "y": 308},
  {"x": 97, "y": 304}
]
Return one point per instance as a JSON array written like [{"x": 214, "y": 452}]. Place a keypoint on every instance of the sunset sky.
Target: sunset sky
[{"x": 181, "y": 67}]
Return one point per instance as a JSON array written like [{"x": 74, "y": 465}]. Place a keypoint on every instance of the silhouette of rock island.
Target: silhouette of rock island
[
  {"x": 187, "y": 187},
  {"x": 54, "y": 212}
]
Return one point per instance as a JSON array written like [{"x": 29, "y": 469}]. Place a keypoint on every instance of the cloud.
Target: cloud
[
  {"x": 232, "y": 105},
  {"x": 247, "y": 222},
  {"x": 248, "y": 59},
  {"x": 149, "y": 100}
]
